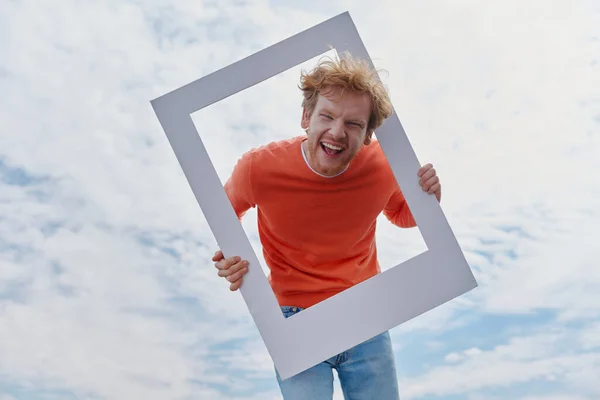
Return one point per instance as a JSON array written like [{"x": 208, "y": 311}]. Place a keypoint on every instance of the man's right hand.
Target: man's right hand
[{"x": 232, "y": 268}]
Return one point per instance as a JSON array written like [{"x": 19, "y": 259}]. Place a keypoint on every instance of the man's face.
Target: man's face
[{"x": 337, "y": 129}]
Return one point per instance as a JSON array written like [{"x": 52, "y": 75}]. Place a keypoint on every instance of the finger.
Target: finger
[
  {"x": 434, "y": 188},
  {"x": 218, "y": 256},
  {"x": 232, "y": 269},
  {"x": 430, "y": 182},
  {"x": 226, "y": 269},
  {"x": 424, "y": 169},
  {"x": 430, "y": 173},
  {"x": 238, "y": 275},
  {"x": 427, "y": 182},
  {"x": 236, "y": 285},
  {"x": 226, "y": 263}
]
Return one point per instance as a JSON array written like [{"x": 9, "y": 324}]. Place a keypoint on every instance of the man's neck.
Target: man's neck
[{"x": 302, "y": 145}]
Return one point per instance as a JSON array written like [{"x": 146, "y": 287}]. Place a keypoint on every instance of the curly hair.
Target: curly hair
[{"x": 348, "y": 73}]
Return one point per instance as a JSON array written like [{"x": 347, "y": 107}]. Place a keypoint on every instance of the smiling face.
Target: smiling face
[{"x": 336, "y": 129}]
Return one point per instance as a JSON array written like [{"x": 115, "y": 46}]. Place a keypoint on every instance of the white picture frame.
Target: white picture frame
[{"x": 398, "y": 294}]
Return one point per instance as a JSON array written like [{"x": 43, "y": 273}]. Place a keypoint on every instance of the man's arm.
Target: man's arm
[
  {"x": 397, "y": 212},
  {"x": 239, "y": 191},
  {"x": 239, "y": 186},
  {"x": 396, "y": 209}
]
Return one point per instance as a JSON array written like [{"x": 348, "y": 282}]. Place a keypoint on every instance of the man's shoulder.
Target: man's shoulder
[
  {"x": 373, "y": 162},
  {"x": 275, "y": 150},
  {"x": 373, "y": 152}
]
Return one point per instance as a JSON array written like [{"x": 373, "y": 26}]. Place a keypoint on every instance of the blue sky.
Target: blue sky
[{"x": 106, "y": 286}]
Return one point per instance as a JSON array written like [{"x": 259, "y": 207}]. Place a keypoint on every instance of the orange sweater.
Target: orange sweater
[{"x": 317, "y": 233}]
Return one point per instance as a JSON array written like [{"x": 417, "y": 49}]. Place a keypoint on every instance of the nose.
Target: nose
[{"x": 337, "y": 130}]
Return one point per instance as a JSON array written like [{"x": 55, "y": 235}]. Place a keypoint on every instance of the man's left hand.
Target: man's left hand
[{"x": 429, "y": 181}]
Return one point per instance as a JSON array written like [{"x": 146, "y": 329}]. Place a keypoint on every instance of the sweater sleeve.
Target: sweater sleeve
[
  {"x": 397, "y": 212},
  {"x": 239, "y": 186}
]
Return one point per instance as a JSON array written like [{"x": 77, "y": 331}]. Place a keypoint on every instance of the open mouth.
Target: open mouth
[{"x": 331, "y": 149}]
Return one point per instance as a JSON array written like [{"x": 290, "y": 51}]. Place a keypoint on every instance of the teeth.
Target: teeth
[{"x": 331, "y": 146}]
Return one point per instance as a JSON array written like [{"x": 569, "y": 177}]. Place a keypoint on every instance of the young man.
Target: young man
[{"x": 318, "y": 197}]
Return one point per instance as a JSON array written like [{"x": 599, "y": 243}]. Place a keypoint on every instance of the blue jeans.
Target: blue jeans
[{"x": 366, "y": 371}]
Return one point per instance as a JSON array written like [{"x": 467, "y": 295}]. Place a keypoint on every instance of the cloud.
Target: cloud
[
  {"x": 551, "y": 354},
  {"x": 552, "y": 397},
  {"x": 106, "y": 288},
  {"x": 542, "y": 397}
]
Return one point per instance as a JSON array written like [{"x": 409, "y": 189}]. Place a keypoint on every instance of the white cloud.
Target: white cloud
[
  {"x": 472, "y": 352},
  {"x": 558, "y": 397},
  {"x": 103, "y": 318},
  {"x": 590, "y": 338},
  {"x": 453, "y": 357},
  {"x": 503, "y": 100},
  {"x": 551, "y": 354},
  {"x": 535, "y": 397},
  {"x": 552, "y": 270}
]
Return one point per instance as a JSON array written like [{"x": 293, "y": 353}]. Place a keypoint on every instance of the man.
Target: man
[{"x": 318, "y": 197}]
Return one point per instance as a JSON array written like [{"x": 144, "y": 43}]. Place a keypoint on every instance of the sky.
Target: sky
[{"x": 107, "y": 290}]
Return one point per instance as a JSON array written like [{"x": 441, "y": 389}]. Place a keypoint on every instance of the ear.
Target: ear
[
  {"x": 305, "y": 122},
  {"x": 368, "y": 138}
]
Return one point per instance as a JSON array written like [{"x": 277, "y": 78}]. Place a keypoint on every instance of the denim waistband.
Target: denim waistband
[{"x": 288, "y": 311}]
